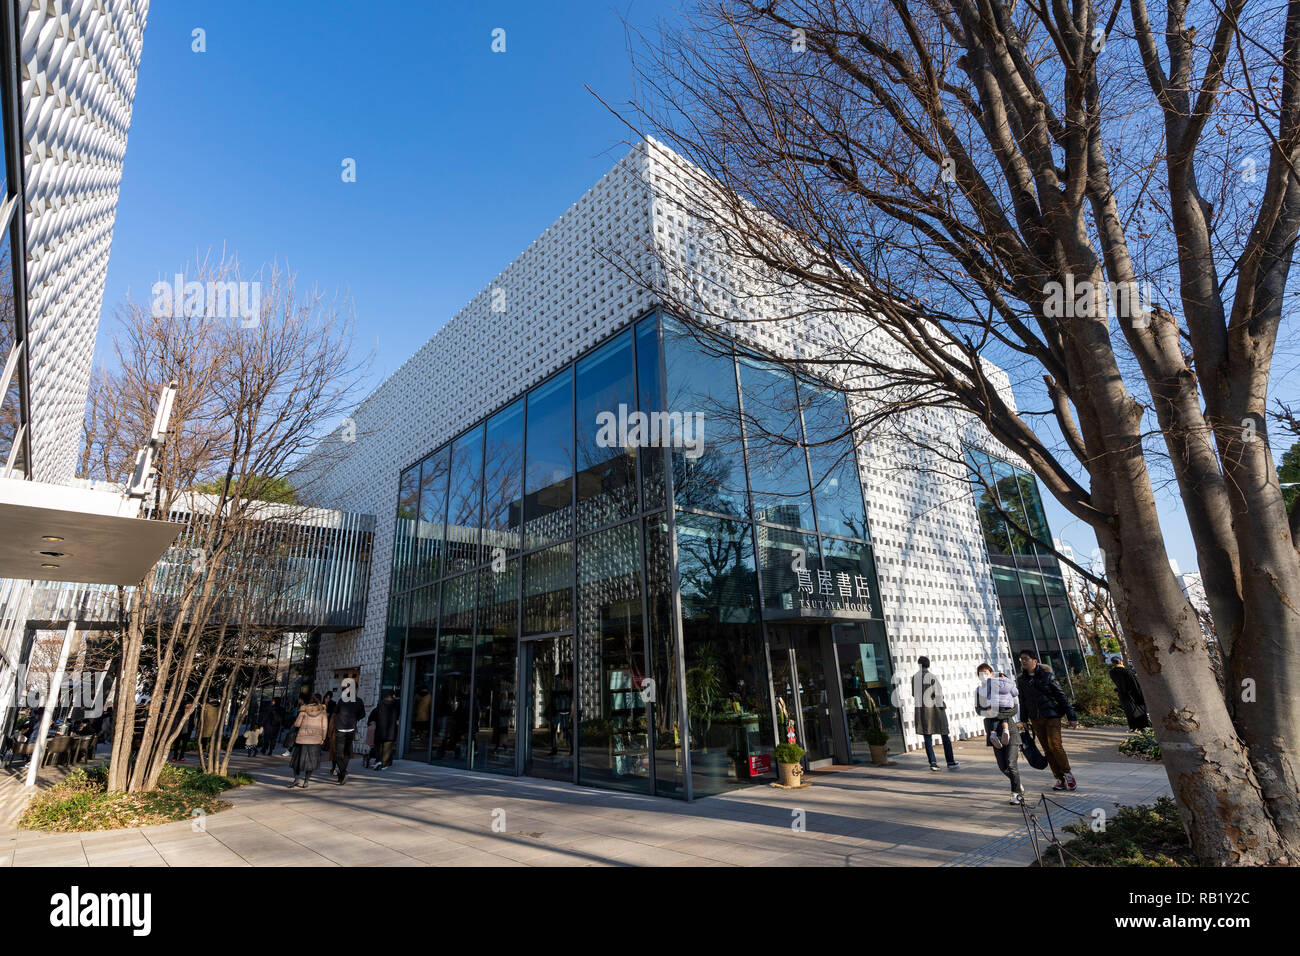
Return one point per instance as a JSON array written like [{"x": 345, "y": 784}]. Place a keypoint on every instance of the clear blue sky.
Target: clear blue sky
[{"x": 463, "y": 156}]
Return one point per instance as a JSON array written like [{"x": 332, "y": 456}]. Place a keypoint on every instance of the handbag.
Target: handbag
[
  {"x": 1029, "y": 748},
  {"x": 291, "y": 738}
]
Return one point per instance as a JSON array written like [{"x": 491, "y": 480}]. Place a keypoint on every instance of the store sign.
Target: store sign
[
  {"x": 760, "y": 764},
  {"x": 845, "y": 593}
]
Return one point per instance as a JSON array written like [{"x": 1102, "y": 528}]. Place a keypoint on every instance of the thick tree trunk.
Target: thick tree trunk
[{"x": 1214, "y": 782}]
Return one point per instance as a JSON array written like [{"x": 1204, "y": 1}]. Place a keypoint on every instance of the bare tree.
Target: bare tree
[
  {"x": 1106, "y": 209},
  {"x": 256, "y": 391}
]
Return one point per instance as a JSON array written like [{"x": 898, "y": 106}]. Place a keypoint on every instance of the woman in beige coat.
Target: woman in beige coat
[{"x": 310, "y": 726}]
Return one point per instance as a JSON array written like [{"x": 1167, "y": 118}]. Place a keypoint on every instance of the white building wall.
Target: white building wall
[
  {"x": 571, "y": 289},
  {"x": 79, "y": 64}
]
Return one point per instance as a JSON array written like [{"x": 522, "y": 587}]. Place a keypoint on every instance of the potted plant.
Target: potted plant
[
  {"x": 878, "y": 740},
  {"x": 789, "y": 763}
]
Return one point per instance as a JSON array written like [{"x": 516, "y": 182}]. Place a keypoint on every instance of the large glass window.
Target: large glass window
[
  {"x": 607, "y": 443},
  {"x": 548, "y": 590},
  {"x": 651, "y": 391},
  {"x": 613, "y": 734},
  {"x": 832, "y": 456},
  {"x": 670, "y": 765},
  {"x": 408, "y": 514},
  {"x": 710, "y": 475},
  {"x": 495, "y": 659},
  {"x": 427, "y": 564},
  {"x": 788, "y": 565},
  {"x": 503, "y": 482},
  {"x": 727, "y": 690},
  {"x": 548, "y": 462},
  {"x": 451, "y": 700},
  {"x": 778, "y": 472},
  {"x": 423, "y": 633},
  {"x": 465, "y": 502}
]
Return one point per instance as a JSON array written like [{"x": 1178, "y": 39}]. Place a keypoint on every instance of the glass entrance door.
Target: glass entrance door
[
  {"x": 803, "y": 676},
  {"x": 548, "y": 707},
  {"x": 419, "y": 691}
]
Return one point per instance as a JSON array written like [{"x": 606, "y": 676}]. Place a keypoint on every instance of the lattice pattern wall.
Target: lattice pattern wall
[
  {"x": 571, "y": 289},
  {"x": 79, "y": 63}
]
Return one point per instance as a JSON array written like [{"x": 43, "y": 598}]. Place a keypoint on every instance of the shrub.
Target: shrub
[
  {"x": 1117, "y": 719},
  {"x": 789, "y": 753},
  {"x": 1141, "y": 743},
  {"x": 1094, "y": 692},
  {"x": 877, "y": 737},
  {"x": 1144, "y": 835}
]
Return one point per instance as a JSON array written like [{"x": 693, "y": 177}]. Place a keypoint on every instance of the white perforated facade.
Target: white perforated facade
[
  {"x": 570, "y": 290},
  {"x": 79, "y": 60}
]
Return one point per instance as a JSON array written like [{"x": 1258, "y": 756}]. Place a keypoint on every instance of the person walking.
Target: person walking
[
  {"x": 209, "y": 724},
  {"x": 930, "y": 713},
  {"x": 309, "y": 728},
  {"x": 347, "y": 715},
  {"x": 1043, "y": 703},
  {"x": 997, "y": 700},
  {"x": 182, "y": 741},
  {"x": 272, "y": 721},
  {"x": 370, "y": 737},
  {"x": 386, "y": 730},
  {"x": 1131, "y": 700}
]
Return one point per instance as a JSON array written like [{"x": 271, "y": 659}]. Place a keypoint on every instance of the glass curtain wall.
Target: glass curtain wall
[
  {"x": 1030, "y": 588},
  {"x": 554, "y": 538}
]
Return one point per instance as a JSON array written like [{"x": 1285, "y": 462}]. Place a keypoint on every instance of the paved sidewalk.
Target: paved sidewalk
[{"x": 417, "y": 815}]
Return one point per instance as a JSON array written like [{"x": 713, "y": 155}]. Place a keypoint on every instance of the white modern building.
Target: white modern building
[{"x": 637, "y": 611}]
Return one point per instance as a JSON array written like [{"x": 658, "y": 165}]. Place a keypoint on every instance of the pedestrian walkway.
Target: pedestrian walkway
[{"x": 417, "y": 815}]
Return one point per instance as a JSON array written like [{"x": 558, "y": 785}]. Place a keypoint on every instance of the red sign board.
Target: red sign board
[{"x": 760, "y": 764}]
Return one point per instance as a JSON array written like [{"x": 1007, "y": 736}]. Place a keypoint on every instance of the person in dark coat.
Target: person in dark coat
[
  {"x": 347, "y": 716},
  {"x": 272, "y": 721},
  {"x": 1130, "y": 695},
  {"x": 930, "y": 713},
  {"x": 386, "y": 730},
  {"x": 1043, "y": 704}
]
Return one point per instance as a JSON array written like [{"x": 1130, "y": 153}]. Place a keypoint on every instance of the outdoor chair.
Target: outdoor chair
[
  {"x": 57, "y": 750},
  {"x": 16, "y": 750}
]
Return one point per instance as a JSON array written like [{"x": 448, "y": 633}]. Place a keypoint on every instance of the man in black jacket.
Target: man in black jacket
[
  {"x": 386, "y": 730},
  {"x": 348, "y": 713},
  {"x": 1042, "y": 704},
  {"x": 272, "y": 721}
]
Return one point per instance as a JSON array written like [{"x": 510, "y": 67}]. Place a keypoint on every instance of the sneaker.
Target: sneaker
[
  {"x": 1070, "y": 781},
  {"x": 1017, "y": 799},
  {"x": 285, "y": 754},
  {"x": 934, "y": 767},
  {"x": 294, "y": 784},
  {"x": 954, "y": 765},
  {"x": 342, "y": 779},
  {"x": 995, "y": 741},
  {"x": 1060, "y": 785}
]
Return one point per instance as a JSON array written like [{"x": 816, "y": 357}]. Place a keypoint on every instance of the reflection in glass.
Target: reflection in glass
[
  {"x": 837, "y": 492},
  {"x": 427, "y": 563},
  {"x": 606, "y": 469},
  {"x": 614, "y": 746},
  {"x": 727, "y": 694},
  {"x": 419, "y": 711},
  {"x": 503, "y": 478},
  {"x": 548, "y": 707},
  {"x": 788, "y": 564},
  {"x": 394, "y": 639},
  {"x": 548, "y": 590},
  {"x": 423, "y": 632},
  {"x": 455, "y": 651},
  {"x": 408, "y": 515},
  {"x": 670, "y": 767},
  {"x": 851, "y": 573},
  {"x": 705, "y": 384},
  {"x": 867, "y": 679},
  {"x": 651, "y": 390},
  {"x": 778, "y": 473},
  {"x": 494, "y": 669},
  {"x": 465, "y": 502},
  {"x": 548, "y": 462}
]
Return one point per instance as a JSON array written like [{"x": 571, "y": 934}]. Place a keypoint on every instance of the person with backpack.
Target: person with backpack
[
  {"x": 930, "y": 713},
  {"x": 1043, "y": 704},
  {"x": 997, "y": 700}
]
